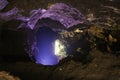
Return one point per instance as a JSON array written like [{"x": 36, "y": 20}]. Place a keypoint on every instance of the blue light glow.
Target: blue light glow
[{"x": 45, "y": 42}]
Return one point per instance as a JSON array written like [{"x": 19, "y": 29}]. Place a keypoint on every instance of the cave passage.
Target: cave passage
[{"x": 45, "y": 42}]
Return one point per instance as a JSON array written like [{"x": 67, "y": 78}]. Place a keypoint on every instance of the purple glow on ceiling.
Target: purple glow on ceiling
[
  {"x": 15, "y": 14},
  {"x": 66, "y": 15},
  {"x": 3, "y": 4}
]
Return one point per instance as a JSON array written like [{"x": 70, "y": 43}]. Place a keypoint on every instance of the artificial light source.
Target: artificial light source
[{"x": 60, "y": 49}]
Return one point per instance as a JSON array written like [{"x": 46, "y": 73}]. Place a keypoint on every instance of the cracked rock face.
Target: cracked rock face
[
  {"x": 63, "y": 15},
  {"x": 66, "y": 15}
]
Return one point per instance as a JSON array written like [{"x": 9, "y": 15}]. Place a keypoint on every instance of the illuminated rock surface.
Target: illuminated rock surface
[{"x": 61, "y": 13}]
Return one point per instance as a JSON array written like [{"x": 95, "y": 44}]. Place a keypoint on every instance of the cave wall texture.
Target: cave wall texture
[{"x": 97, "y": 65}]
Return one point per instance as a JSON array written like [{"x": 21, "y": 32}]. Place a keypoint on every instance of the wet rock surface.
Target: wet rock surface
[{"x": 102, "y": 62}]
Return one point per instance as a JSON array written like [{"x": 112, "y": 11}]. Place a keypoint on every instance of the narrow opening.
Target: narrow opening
[{"x": 46, "y": 38}]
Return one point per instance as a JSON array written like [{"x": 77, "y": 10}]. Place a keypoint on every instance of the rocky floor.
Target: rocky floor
[{"x": 102, "y": 67}]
